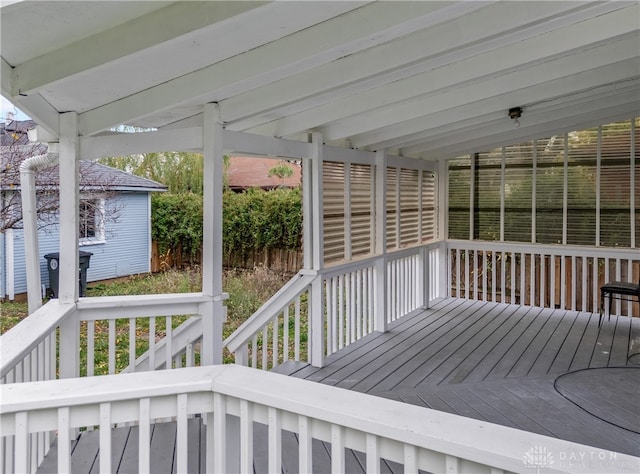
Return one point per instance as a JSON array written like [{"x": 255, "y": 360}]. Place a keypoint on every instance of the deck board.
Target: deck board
[
  {"x": 488, "y": 361},
  {"x": 498, "y": 362}
]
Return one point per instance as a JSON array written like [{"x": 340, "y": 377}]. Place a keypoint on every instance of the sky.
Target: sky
[{"x": 6, "y": 107}]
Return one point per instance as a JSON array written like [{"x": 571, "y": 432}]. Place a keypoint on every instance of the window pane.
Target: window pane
[
  {"x": 637, "y": 180},
  {"x": 459, "y": 189},
  {"x": 517, "y": 192},
  {"x": 486, "y": 224},
  {"x": 87, "y": 218},
  {"x": 615, "y": 185},
  {"x": 581, "y": 187},
  {"x": 549, "y": 190}
]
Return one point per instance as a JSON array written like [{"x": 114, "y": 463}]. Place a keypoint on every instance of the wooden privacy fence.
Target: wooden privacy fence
[
  {"x": 280, "y": 260},
  {"x": 538, "y": 276}
]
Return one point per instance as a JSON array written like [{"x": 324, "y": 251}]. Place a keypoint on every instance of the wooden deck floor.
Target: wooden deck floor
[
  {"x": 545, "y": 371},
  {"x": 550, "y": 372}
]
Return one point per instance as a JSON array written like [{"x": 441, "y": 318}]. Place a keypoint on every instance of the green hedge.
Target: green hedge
[
  {"x": 254, "y": 220},
  {"x": 176, "y": 222},
  {"x": 261, "y": 220}
]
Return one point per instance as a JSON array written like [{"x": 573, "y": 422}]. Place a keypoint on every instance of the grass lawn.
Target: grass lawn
[{"x": 248, "y": 290}]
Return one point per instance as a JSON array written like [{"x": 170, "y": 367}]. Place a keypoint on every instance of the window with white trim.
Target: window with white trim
[{"x": 91, "y": 227}]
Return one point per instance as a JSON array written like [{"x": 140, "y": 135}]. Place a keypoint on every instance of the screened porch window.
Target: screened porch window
[{"x": 576, "y": 188}]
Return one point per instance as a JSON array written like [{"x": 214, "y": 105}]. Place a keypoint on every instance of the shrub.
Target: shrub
[{"x": 252, "y": 221}]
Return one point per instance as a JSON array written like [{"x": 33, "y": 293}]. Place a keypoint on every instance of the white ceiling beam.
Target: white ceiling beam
[
  {"x": 35, "y": 106},
  {"x": 460, "y": 104},
  {"x": 402, "y": 58},
  {"x": 510, "y": 90},
  {"x": 507, "y": 80},
  {"x": 544, "y": 129},
  {"x": 327, "y": 41},
  {"x": 241, "y": 143},
  {"x": 120, "y": 144},
  {"x": 602, "y": 96},
  {"x": 132, "y": 37},
  {"x": 463, "y": 127},
  {"x": 532, "y": 119},
  {"x": 498, "y": 56}
]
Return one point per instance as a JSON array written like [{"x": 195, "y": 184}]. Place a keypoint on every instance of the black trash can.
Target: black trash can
[{"x": 53, "y": 263}]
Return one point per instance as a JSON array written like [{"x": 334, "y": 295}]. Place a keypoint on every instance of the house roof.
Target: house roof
[
  {"x": 246, "y": 172},
  {"x": 93, "y": 175},
  {"x": 425, "y": 79}
]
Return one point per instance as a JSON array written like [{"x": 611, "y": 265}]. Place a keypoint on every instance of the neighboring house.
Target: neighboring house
[
  {"x": 245, "y": 172},
  {"x": 115, "y": 218}
]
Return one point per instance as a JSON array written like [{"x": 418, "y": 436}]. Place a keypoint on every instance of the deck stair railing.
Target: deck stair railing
[
  {"x": 137, "y": 333},
  {"x": 549, "y": 276},
  {"x": 278, "y": 331},
  {"x": 235, "y": 403},
  {"x": 350, "y": 305}
]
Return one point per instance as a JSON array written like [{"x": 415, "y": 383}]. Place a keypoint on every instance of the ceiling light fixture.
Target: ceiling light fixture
[{"x": 514, "y": 114}]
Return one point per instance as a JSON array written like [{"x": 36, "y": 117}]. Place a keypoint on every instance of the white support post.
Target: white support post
[
  {"x": 307, "y": 213},
  {"x": 30, "y": 232},
  {"x": 317, "y": 202},
  {"x": 380, "y": 323},
  {"x": 212, "y": 312},
  {"x": 442, "y": 232},
  {"x": 316, "y": 326},
  {"x": 425, "y": 272},
  {"x": 69, "y": 199},
  {"x": 68, "y": 263}
]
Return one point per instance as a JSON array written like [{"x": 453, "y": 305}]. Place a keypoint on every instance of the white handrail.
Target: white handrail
[
  {"x": 263, "y": 316},
  {"x": 417, "y": 437},
  {"x": 555, "y": 276},
  {"x": 19, "y": 341}
]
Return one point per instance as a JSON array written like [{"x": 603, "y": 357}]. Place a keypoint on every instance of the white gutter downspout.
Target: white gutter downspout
[{"x": 28, "y": 169}]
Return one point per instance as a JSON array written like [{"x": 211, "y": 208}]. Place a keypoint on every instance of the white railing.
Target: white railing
[
  {"x": 550, "y": 276},
  {"x": 136, "y": 333},
  {"x": 279, "y": 330},
  {"x": 354, "y": 299},
  {"x": 234, "y": 400},
  {"x": 28, "y": 350}
]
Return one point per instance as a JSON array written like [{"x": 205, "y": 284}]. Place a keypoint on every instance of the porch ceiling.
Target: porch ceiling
[{"x": 423, "y": 79}]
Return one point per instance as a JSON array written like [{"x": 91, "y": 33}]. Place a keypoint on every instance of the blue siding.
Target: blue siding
[
  {"x": 126, "y": 247},
  {"x": 124, "y": 252}
]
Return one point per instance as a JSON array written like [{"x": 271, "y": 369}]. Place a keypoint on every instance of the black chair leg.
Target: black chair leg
[
  {"x": 601, "y": 308},
  {"x": 610, "y": 303}
]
